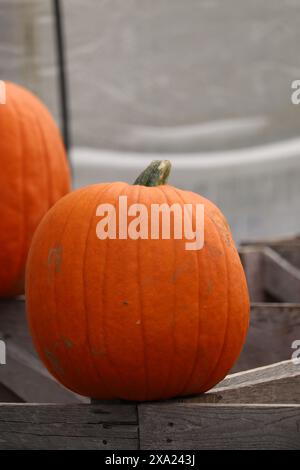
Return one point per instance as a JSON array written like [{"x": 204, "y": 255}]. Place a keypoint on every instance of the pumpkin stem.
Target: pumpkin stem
[{"x": 155, "y": 174}]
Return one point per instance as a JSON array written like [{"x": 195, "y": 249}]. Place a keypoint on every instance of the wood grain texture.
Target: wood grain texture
[
  {"x": 161, "y": 426},
  {"x": 281, "y": 369},
  {"x": 276, "y": 384},
  {"x": 68, "y": 427},
  {"x": 273, "y": 328},
  {"x": 195, "y": 426}
]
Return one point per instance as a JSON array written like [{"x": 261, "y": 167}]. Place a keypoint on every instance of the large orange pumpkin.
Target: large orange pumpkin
[
  {"x": 33, "y": 176},
  {"x": 134, "y": 319}
]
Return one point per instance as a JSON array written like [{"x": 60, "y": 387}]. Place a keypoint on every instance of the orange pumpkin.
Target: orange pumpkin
[
  {"x": 141, "y": 319},
  {"x": 33, "y": 176}
]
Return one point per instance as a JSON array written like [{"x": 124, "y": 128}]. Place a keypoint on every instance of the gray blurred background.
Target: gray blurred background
[{"x": 207, "y": 83}]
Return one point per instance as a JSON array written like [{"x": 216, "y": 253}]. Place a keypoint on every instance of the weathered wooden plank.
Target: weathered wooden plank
[
  {"x": 161, "y": 426},
  {"x": 290, "y": 368},
  {"x": 280, "y": 278},
  {"x": 275, "y": 384},
  {"x": 252, "y": 260},
  {"x": 202, "y": 426},
  {"x": 26, "y": 426},
  {"x": 273, "y": 328},
  {"x": 279, "y": 258},
  {"x": 291, "y": 252}
]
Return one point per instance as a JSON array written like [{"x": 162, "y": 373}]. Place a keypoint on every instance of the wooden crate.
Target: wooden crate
[{"x": 256, "y": 407}]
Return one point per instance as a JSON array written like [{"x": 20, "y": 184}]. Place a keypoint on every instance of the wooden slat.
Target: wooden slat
[
  {"x": 25, "y": 426},
  {"x": 272, "y": 267},
  {"x": 252, "y": 260},
  {"x": 202, "y": 426},
  {"x": 280, "y": 278},
  {"x": 275, "y": 384},
  {"x": 279, "y": 370},
  {"x": 290, "y": 252},
  {"x": 164, "y": 425},
  {"x": 273, "y": 328}
]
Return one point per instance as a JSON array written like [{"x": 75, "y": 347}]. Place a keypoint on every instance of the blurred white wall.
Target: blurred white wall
[
  {"x": 146, "y": 75},
  {"x": 149, "y": 75}
]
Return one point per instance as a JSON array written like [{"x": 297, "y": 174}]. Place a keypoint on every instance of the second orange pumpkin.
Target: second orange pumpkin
[{"x": 33, "y": 175}]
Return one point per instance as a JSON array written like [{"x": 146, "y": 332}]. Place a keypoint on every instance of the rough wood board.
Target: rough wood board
[
  {"x": 68, "y": 427},
  {"x": 273, "y": 328},
  {"x": 291, "y": 252},
  {"x": 277, "y": 384},
  {"x": 252, "y": 260},
  {"x": 266, "y": 373},
  {"x": 194, "y": 426},
  {"x": 280, "y": 278},
  {"x": 161, "y": 426}
]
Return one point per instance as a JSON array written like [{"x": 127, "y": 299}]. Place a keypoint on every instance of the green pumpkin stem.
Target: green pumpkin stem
[{"x": 155, "y": 174}]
